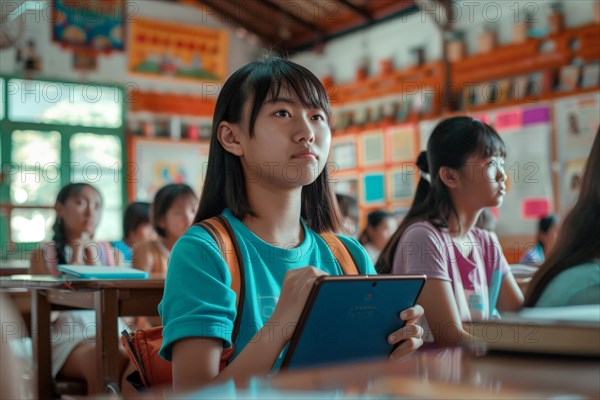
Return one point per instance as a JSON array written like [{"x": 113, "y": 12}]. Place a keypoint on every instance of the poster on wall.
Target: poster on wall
[
  {"x": 401, "y": 143},
  {"x": 91, "y": 24},
  {"x": 343, "y": 152},
  {"x": 373, "y": 188},
  {"x": 170, "y": 50},
  {"x": 159, "y": 162},
  {"x": 372, "y": 148},
  {"x": 577, "y": 119},
  {"x": 401, "y": 183}
]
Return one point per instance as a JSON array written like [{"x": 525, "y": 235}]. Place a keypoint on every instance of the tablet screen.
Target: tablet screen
[{"x": 348, "y": 318}]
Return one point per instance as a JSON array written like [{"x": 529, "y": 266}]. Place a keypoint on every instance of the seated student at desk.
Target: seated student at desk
[
  {"x": 78, "y": 210},
  {"x": 136, "y": 229},
  {"x": 469, "y": 278},
  {"x": 571, "y": 274},
  {"x": 173, "y": 211}
]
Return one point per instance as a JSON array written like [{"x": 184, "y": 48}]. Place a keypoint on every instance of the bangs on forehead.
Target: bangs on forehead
[
  {"x": 272, "y": 79},
  {"x": 490, "y": 144}
]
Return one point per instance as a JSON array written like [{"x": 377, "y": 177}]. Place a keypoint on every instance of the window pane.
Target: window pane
[
  {"x": 35, "y": 168},
  {"x": 64, "y": 103},
  {"x": 31, "y": 225},
  {"x": 104, "y": 181},
  {"x": 102, "y": 150}
]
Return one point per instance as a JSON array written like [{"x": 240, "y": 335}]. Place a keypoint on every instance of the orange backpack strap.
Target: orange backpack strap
[
  {"x": 341, "y": 253},
  {"x": 222, "y": 232}
]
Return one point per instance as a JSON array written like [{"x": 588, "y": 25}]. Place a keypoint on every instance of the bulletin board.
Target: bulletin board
[
  {"x": 376, "y": 166},
  {"x": 157, "y": 162},
  {"x": 576, "y": 120}
]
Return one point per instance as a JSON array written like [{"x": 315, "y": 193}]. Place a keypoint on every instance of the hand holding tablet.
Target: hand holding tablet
[{"x": 352, "y": 318}]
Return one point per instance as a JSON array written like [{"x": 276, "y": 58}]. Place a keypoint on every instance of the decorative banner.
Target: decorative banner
[
  {"x": 508, "y": 120},
  {"x": 91, "y": 24},
  {"x": 532, "y": 116},
  {"x": 164, "y": 49}
]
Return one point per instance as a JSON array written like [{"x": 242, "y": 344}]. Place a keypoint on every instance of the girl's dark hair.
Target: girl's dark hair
[
  {"x": 225, "y": 186},
  {"x": 373, "y": 220},
  {"x": 451, "y": 143},
  {"x": 545, "y": 224},
  {"x": 136, "y": 214},
  {"x": 164, "y": 199},
  {"x": 59, "y": 236},
  {"x": 577, "y": 241}
]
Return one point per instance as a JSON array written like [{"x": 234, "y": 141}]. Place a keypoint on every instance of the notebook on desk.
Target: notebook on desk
[
  {"x": 571, "y": 330},
  {"x": 102, "y": 272}
]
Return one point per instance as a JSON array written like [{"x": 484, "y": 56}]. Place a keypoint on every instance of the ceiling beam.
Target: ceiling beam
[
  {"x": 299, "y": 21},
  {"x": 237, "y": 21},
  {"x": 357, "y": 10}
]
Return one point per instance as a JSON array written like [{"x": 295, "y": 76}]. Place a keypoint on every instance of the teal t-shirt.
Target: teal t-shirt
[
  {"x": 199, "y": 302},
  {"x": 575, "y": 286}
]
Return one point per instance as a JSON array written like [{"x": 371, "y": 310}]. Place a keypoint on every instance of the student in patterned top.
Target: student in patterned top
[{"x": 468, "y": 276}]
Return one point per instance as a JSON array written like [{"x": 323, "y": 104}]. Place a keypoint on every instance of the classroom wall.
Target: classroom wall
[
  {"x": 56, "y": 62},
  {"x": 394, "y": 39}
]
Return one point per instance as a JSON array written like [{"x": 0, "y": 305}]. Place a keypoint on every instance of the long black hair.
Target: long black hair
[
  {"x": 60, "y": 235},
  {"x": 225, "y": 186},
  {"x": 451, "y": 143}
]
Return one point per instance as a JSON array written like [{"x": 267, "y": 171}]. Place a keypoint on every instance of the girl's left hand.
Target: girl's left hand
[{"x": 410, "y": 336}]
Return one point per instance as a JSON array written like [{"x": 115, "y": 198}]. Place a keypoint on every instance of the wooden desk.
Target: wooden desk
[
  {"x": 108, "y": 298},
  {"x": 455, "y": 373}
]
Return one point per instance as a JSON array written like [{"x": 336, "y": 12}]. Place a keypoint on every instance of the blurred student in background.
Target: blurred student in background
[
  {"x": 570, "y": 275},
  {"x": 349, "y": 210},
  {"x": 468, "y": 277},
  {"x": 546, "y": 237},
  {"x": 78, "y": 211},
  {"x": 136, "y": 229},
  {"x": 173, "y": 211},
  {"x": 381, "y": 225}
]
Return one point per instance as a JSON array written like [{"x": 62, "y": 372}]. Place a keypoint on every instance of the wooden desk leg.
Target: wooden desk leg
[
  {"x": 40, "y": 335},
  {"x": 107, "y": 344}
]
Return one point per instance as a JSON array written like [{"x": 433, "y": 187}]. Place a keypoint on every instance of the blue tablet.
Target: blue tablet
[{"x": 349, "y": 318}]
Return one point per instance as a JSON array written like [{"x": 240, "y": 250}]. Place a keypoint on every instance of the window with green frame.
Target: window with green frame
[{"x": 53, "y": 133}]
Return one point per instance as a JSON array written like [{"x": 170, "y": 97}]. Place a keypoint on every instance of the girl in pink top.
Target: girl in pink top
[{"x": 468, "y": 276}]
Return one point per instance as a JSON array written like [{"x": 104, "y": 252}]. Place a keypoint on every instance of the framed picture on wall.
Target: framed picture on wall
[
  {"x": 373, "y": 188},
  {"x": 401, "y": 141},
  {"x": 157, "y": 162},
  {"x": 343, "y": 152},
  {"x": 372, "y": 148},
  {"x": 401, "y": 183}
]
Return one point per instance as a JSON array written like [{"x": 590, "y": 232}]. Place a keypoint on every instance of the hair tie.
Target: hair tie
[{"x": 422, "y": 162}]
